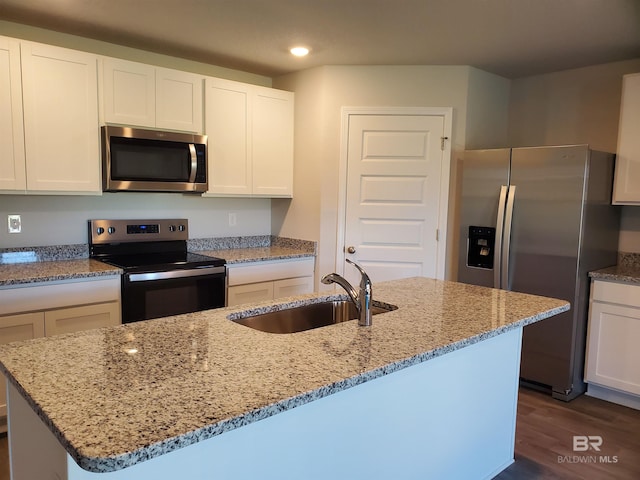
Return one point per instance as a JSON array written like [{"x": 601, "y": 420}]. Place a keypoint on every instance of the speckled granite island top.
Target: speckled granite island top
[{"x": 118, "y": 396}]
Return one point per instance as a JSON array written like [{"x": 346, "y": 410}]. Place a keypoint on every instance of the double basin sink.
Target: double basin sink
[{"x": 307, "y": 317}]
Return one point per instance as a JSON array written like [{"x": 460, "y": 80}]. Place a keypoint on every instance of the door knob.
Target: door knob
[{"x": 351, "y": 249}]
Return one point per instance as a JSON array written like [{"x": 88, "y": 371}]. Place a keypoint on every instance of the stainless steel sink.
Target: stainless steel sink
[{"x": 307, "y": 317}]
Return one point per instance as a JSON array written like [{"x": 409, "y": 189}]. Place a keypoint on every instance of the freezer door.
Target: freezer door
[
  {"x": 484, "y": 173},
  {"x": 545, "y": 244}
]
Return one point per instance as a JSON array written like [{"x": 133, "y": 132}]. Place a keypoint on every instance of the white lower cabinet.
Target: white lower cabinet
[
  {"x": 613, "y": 355},
  {"x": 292, "y": 286},
  {"x": 269, "y": 280},
  {"x": 252, "y": 292},
  {"x": 85, "y": 317},
  {"x": 55, "y": 309}
]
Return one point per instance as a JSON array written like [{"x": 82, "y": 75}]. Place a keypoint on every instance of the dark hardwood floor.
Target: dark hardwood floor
[
  {"x": 544, "y": 434},
  {"x": 544, "y": 439}
]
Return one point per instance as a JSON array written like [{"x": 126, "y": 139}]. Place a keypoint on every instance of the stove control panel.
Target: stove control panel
[{"x": 114, "y": 231}]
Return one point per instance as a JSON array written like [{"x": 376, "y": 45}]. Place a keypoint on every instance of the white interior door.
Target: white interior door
[{"x": 394, "y": 195}]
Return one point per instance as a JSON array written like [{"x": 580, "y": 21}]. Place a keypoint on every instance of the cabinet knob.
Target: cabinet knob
[{"x": 351, "y": 249}]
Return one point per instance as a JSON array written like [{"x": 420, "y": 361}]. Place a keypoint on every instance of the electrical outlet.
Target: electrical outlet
[
  {"x": 232, "y": 220},
  {"x": 14, "y": 223}
]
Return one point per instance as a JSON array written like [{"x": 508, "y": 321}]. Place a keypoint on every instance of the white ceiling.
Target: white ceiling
[{"x": 512, "y": 38}]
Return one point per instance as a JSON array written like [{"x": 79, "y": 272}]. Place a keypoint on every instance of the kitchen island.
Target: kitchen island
[{"x": 428, "y": 391}]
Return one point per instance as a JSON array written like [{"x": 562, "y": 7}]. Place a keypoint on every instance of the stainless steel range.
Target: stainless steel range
[{"x": 161, "y": 277}]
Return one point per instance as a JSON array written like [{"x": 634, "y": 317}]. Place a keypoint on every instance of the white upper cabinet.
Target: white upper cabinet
[
  {"x": 272, "y": 135},
  {"x": 227, "y": 128},
  {"x": 626, "y": 189},
  {"x": 250, "y": 132},
  {"x": 178, "y": 100},
  {"x": 128, "y": 93},
  {"x": 61, "y": 130},
  {"x": 142, "y": 95},
  {"x": 12, "y": 159}
]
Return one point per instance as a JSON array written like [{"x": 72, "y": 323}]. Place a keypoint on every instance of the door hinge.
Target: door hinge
[
  {"x": 437, "y": 234},
  {"x": 442, "y": 140}
]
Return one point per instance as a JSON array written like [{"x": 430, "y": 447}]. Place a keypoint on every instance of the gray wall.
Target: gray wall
[
  {"x": 575, "y": 106},
  {"x": 480, "y": 107}
]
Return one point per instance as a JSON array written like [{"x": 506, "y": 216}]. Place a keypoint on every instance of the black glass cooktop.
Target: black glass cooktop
[{"x": 162, "y": 261}]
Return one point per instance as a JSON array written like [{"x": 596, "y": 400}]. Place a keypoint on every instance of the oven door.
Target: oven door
[{"x": 161, "y": 294}]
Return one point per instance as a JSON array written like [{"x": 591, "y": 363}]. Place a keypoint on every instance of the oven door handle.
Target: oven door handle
[{"x": 172, "y": 274}]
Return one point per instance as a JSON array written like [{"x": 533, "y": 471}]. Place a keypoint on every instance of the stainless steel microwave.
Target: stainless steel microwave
[{"x": 138, "y": 160}]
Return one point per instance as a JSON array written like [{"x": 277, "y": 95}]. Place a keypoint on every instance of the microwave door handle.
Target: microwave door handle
[{"x": 194, "y": 163}]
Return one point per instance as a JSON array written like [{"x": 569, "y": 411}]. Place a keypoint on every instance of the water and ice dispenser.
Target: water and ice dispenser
[{"x": 480, "y": 247}]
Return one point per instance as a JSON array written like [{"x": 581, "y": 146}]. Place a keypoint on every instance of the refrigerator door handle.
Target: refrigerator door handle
[
  {"x": 506, "y": 242},
  {"x": 497, "y": 255}
]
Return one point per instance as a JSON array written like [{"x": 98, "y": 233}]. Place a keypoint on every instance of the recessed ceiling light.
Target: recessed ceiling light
[{"x": 300, "y": 51}]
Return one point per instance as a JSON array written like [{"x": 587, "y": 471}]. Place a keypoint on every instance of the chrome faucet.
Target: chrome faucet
[{"x": 361, "y": 299}]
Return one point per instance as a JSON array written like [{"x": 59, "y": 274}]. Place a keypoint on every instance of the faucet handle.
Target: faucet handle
[{"x": 364, "y": 279}]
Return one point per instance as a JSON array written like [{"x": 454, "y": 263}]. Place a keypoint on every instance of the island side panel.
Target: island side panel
[
  {"x": 34, "y": 452},
  {"x": 450, "y": 417}
]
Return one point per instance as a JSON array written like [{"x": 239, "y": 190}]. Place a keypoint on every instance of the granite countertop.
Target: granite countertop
[
  {"x": 254, "y": 249},
  {"x": 627, "y": 269},
  {"x": 121, "y": 395},
  {"x": 19, "y": 274},
  {"x": 66, "y": 262},
  {"x": 618, "y": 273},
  {"x": 257, "y": 254}
]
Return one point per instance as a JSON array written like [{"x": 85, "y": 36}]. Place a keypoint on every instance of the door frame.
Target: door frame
[{"x": 445, "y": 173}]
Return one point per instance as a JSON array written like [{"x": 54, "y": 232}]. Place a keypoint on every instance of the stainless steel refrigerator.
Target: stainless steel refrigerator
[{"x": 537, "y": 220}]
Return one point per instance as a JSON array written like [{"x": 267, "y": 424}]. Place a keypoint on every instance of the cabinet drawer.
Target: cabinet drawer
[
  {"x": 46, "y": 296},
  {"x": 615, "y": 292},
  {"x": 254, "y": 272}
]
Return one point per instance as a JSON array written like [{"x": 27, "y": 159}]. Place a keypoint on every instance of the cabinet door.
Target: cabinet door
[
  {"x": 60, "y": 91},
  {"x": 613, "y": 353},
  {"x": 178, "y": 100},
  {"x": 292, "y": 286},
  {"x": 12, "y": 159},
  {"x": 626, "y": 189},
  {"x": 86, "y": 317},
  {"x": 227, "y": 128},
  {"x": 272, "y": 142},
  {"x": 15, "y": 328},
  {"x": 250, "y": 293},
  {"x": 128, "y": 93}
]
